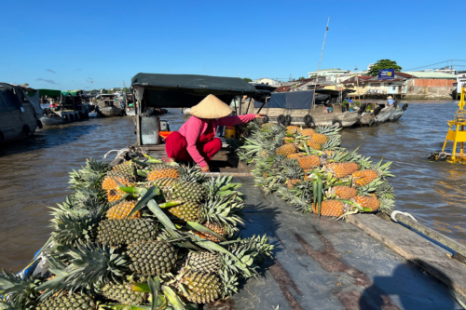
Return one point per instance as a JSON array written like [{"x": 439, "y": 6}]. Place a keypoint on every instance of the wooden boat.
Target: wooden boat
[
  {"x": 370, "y": 118},
  {"x": 20, "y": 112},
  {"x": 109, "y": 105},
  {"x": 69, "y": 107},
  {"x": 109, "y": 110},
  {"x": 399, "y": 112}
]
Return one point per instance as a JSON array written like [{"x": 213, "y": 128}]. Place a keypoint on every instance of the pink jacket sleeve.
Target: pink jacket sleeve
[
  {"x": 235, "y": 120},
  {"x": 192, "y": 136}
]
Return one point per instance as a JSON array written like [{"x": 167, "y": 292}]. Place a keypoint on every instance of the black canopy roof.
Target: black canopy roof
[{"x": 187, "y": 90}]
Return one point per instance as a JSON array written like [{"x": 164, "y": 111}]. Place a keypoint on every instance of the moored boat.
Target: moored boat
[
  {"x": 65, "y": 107},
  {"x": 399, "y": 112},
  {"x": 20, "y": 112},
  {"x": 109, "y": 105}
]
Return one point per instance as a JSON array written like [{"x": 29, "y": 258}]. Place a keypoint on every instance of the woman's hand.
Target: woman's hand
[
  {"x": 259, "y": 116},
  {"x": 205, "y": 169}
]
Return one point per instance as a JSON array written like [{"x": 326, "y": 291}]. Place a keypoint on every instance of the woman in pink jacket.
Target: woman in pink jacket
[{"x": 196, "y": 140}]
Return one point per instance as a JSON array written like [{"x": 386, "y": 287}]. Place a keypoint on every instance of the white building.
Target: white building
[
  {"x": 267, "y": 81},
  {"x": 329, "y": 74}
]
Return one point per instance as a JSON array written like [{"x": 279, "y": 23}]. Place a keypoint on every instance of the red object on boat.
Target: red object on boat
[{"x": 164, "y": 134}]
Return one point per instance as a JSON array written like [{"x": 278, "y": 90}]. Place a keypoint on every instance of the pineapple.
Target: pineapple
[
  {"x": 370, "y": 201},
  {"x": 342, "y": 192},
  {"x": 122, "y": 210},
  {"x": 186, "y": 191},
  {"x": 164, "y": 184},
  {"x": 308, "y": 162},
  {"x": 314, "y": 145},
  {"x": 293, "y": 129},
  {"x": 122, "y": 293},
  {"x": 162, "y": 171},
  {"x": 20, "y": 288},
  {"x": 268, "y": 126},
  {"x": 364, "y": 177},
  {"x": 68, "y": 302},
  {"x": 308, "y": 132},
  {"x": 151, "y": 258},
  {"x": 203, "y": 262},
  {"x": 114, "y": 180},
  {"x": 219, "y": 229},
  {"x": 125, "y": 231},
  {"x": 295, "y": 155},
  {"x": 319, "y": 138},
  {"x": 334, "y": 208},
  {"x": 115, "y": 195},
  {"x": 126, "y": 168},
  {"x": 341, "y": 170},
  {"x": 201, "y": 288},
  {"x": 287, "y": 149},
  {"x": 187, "y": 211},
  {"x": 287, "y": 140}
]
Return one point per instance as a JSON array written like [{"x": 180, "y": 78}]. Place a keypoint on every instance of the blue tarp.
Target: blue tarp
[{"x": 291, "y": 100}]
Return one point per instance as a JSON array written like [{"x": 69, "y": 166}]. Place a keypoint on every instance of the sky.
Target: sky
[{"x": 69, "y": 44}]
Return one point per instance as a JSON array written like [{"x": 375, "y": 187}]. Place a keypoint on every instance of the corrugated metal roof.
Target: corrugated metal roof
[{"x": 432, "y": 75}]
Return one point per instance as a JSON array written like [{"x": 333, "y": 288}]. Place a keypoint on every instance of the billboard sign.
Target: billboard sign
[{"x": 386, "y": 74}]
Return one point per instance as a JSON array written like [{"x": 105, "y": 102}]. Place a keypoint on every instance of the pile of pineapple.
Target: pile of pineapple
[
  {"x": 141, "y": 235},
  {"x": 309, "y": 169}
]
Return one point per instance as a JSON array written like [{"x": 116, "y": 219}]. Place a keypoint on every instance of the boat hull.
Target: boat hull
[
  {"x": 110, "y": 111},
  {"x": 130, "y": 112},
  {"x": 385, "y": 114},
  {"x": 18, "y": 124}
]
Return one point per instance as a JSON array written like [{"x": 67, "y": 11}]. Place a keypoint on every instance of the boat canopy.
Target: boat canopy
[
  {"x": 49, "y": 92},
  {"x": 186, "y": 90},
  {"x": 12, "y": 98},
  {"x": 291, "y": 100},
  {"x": 72, "y": 92}
]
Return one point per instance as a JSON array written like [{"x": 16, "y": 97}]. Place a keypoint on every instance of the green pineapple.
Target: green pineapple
[
  {"x": 126, "y": 167},
  {"x": 203, "y": 262},
  {"x": 22, "y": 291},
  {"x": 125, "y": 231},
  {"x": 164, "y": 184},
  {"x": 68, "y": 302},
  {"x": 151, "y": 258},
  {"x": 122, "y": 293},
  {"x": 186, "y": 191},
  {"x": 188, "y": 211},
  {"x": 201, "y": 288}
]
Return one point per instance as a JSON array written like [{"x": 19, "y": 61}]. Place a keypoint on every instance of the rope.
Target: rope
[
  {"x": 118, "y": 154},
  {"x": 394, "y": 213}
]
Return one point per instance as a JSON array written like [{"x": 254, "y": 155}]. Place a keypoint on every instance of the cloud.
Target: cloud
[
  {"x": 47, "y": 81},
  {"x": 50, "y": 70}
]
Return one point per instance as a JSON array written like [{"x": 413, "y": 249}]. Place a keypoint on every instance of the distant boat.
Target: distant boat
[
  {"x": 109, "y": 105},
  {"x": 20, "y": 112},
  {"x": 67, "y": 106}
]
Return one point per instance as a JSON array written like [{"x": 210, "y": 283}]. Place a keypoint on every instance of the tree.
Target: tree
[
  {"x": 247, "y": 79},
  {"x": 383, "y": 64},
  {"x": 302, "y": 78}
]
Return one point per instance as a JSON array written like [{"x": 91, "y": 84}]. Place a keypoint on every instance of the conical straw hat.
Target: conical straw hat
[{"x": 211, "y": 108}]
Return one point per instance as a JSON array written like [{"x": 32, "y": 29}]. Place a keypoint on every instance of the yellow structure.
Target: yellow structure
[{"x": 456, "y": 132}]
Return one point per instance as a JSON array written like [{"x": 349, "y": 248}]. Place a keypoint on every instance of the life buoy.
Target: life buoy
[
  {"x": 26, "y": 130},
  {"x": 65, "y": 118},
  {"x": 337, "y": 123},
  {"x": 281, "y": 119},
  {"x": 265, "y": 119},
  {"x": 71, "y": 118},
  {"x": 362, "y": 108},
  {"x": 288, "y": 119},
  {"x": 377, "y": 110},
  {"x": 405, "y": 106},
  {"x": 78, "y": 116},
  {"x": 39, "y": 124}
]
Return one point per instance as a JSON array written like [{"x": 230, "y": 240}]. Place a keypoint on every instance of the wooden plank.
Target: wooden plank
[{"x": 416, "y": 249}]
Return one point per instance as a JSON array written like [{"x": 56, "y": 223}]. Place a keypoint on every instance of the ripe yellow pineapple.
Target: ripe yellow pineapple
[
  {"x": 308, "y": 132},
  {"x": 314, "y": 145},
  {"x": 161, "y": 173},
  {"x": 343, "y": 192},
  {"x": 293, "y": 129},
  {"x": 214, "y": 227},
  {"x": 307, "y": 162},
  {"x": 319, "y": 138},
  {"x": 122, "y": 210},
  {"x": 368, "y": 202},
  {"x": 341, "y": 170},
  {"x": 363, "y": 177},
  {"x": 287, "y": 140},
  {"x": 287, "y": 149},
  {"x": 329, "y": 153},
  {"x": 295, "y": 155},
  {"x": 114, "y": 194},
  {"x": 330, "y": 208},
  {"x": 111, "y": 182}
]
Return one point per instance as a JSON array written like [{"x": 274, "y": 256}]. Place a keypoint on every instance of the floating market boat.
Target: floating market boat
[
  {"x": 109, "y": 105},
  {"x": 301, "y": 108},
  {"x": 20, "y": 112},
  {"x": 67, "y": 107}
]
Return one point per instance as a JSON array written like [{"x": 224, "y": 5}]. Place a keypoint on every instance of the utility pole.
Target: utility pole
[
  {"x": 320, "y": 61},
  {"x": 357, "y": 81}
]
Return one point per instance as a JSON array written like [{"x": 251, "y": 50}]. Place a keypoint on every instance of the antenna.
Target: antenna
[{"x": 320, "y": 61}]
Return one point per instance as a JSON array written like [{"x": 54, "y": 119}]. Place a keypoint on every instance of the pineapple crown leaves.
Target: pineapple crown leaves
[
  {"x": 382, "y": 170},
  {"x": 20, "y": 290},
  {"x": 370, "y": 188},
  {"x": 290, "y": 197},
  {"x": 328, "y": 130},
  {"x": 88, "y": 265},
  {"x": 229, "y": 283},
  {"x": 387, "y": 204},
  {"x": 12, "y": 305},
  {"x": 223, "y": 211},
  {"x": 257, "y": 247},
  {"x": 332, "y": 143},
  {"x": 72, "y": 228},
  {"x": 191, "y": 174},
  {"x": 385, "y": 190},
  {"x": 222, "y": 187}
]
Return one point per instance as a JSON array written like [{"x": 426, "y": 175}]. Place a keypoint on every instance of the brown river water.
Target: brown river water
[{"x": 34, "y": 172}]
